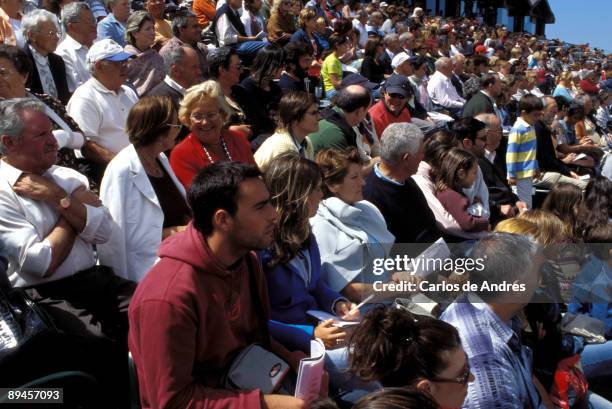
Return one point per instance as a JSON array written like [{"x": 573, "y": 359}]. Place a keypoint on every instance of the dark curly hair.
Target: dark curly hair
[{"x": 398, "y": 348}]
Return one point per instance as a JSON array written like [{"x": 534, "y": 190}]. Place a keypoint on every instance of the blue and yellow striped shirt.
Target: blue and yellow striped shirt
[{"x": 521, "y": 159}]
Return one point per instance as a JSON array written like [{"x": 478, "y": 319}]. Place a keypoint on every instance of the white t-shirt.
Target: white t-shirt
[{"x": 102, "y": 113}]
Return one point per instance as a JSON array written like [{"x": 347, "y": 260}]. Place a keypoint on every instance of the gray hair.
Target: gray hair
[
  {"x": 134, "y": 23},
  {"x": 71, "y": 13},
  {"x": 389, "y": 38},
  {"x": 504, "y": 257},
  {"x": 11, "y": 123},
  {"x": 30, "y": 22},
  {"x": 398, "y": 139},
  {"x": 442, "y": 62},
  {"x": 405, "y": 36},
  {"x": 457, "y": 57},
  {"x": 174, "y": 56},
  {"x": 180, "y": 21}
]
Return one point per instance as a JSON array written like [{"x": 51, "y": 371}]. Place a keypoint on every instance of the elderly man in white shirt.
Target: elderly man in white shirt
[
  {"x": 101, "y": 105},
  {"x": 441, "y": 90},
  {"x": 49, "y": 222},
  {"x": 79, "y": 25}
]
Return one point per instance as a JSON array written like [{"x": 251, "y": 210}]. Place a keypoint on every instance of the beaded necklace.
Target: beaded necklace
[{"x": 210, "y": 159}]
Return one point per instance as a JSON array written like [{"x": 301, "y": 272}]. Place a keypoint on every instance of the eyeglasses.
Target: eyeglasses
[
  {"x": 50, "y": 33},
  {"x": 235, "y": 66},
  {"x": 210, "y": 116},
  {"x": 462, "y": 380},
  {"x": 314, "y": 113},
  {"x": 174, "y": 125},
  {"x": 481, "y": 138}
]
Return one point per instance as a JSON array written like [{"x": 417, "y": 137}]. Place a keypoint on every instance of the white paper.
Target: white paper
[
  {"x": 579, "y": 156},
  {"x": 438, "y": 250},
  {"x": 310, "y": 372},
  {"x": 324, "y": 316}
]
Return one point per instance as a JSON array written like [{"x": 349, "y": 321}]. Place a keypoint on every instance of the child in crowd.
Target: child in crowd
[
  {"x": 457, "y": 171},
  {"x": 521, "y": 162}
]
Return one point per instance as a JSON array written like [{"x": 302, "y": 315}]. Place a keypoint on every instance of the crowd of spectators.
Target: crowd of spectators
[{"x": 182, "y": 180}]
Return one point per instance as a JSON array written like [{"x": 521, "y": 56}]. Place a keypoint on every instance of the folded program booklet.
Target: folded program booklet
[
  {"x": 324, "y": 316},
  {"x": 310, "y": 372}
]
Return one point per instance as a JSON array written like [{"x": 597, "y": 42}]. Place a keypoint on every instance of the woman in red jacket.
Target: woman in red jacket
[{"x": 204, "y": 111}]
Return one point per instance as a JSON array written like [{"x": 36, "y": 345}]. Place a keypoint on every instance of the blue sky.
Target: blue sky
[{"x": 585, "y": 21}]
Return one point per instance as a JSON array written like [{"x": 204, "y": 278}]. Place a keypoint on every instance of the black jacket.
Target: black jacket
[
  {"x": 545, "y": 154},
  {"x": 404, "y": 209},
  {"x": 478, "y": 104},
  {"x": 58, "y": 72},
  {"x": 500, "y": 192}
]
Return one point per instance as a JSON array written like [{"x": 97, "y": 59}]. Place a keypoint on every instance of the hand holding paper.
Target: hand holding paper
[{"x": 310, "y": 374}]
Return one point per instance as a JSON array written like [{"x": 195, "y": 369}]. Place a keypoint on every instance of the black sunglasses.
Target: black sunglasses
[{"x": 462, "y": 380}]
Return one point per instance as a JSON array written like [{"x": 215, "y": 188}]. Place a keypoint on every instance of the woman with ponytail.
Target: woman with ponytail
[{"x": 401, "y": 349}]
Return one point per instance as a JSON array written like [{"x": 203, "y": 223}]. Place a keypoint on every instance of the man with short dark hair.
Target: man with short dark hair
[
  {"x": 224, "y": 67},
  {"x": 502, "y": 202},
  {"x": 471, "y": 135},
  {"x": 483, "y": 102},
  {"x": 206, "y": 298},
  {"x": 552, "y": 169},
  {"x": 336, "y": 126},
  {"x": 298, "y": 57},
  {"x": 187, "y": 32}
]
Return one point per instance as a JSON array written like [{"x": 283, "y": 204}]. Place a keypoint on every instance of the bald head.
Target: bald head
[
  {"x": 355, "y": 101},
  {"x": 493, "y": 129}
]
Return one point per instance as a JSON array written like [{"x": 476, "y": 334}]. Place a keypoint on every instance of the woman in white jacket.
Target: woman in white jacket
[
  {"x": 351, "y": 232},
  {"x": 141, "y": 191}
]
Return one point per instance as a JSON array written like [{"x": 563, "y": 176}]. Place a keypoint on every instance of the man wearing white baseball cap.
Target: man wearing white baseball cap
[
  {"x": 402, "y": 64},
  {"x": 100, "y": 106}
]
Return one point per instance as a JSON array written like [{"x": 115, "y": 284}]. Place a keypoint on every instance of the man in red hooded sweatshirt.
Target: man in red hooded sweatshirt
[{"x": 194, "y": 309}]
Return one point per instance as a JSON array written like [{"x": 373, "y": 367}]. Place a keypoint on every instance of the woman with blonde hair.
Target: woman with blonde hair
[
  {"x": 203, "y": 110},
  {"x": 564, "y": 87},
  {"x": 517, "y": 226},
  {"x": 307, "y": 33},
  {"x": 281, "y": 25},
  {"x": 146, "y": 69}
]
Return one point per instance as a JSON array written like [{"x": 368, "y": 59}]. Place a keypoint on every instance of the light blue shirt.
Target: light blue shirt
[{"x": 109, "y": 27}]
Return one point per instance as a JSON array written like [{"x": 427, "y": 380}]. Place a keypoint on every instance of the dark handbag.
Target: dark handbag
[{"x": 21, "y": 320}]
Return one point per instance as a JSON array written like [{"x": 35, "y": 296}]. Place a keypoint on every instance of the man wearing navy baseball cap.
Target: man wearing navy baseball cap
[
  {"x": 392, "y": 106},
  {"x": 104, "y": 93}
]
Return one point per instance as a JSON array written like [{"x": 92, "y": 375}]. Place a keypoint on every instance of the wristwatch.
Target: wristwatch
[{"x": 65, "y": 202}]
